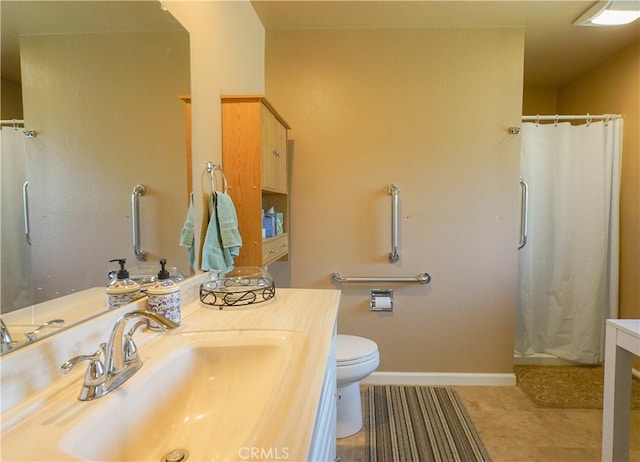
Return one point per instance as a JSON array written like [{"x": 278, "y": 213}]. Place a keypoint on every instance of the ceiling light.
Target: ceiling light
[{"x": 610, "y": 13}]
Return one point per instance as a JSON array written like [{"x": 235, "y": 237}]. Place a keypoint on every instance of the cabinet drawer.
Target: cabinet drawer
[{"x": 274, "y": 248}]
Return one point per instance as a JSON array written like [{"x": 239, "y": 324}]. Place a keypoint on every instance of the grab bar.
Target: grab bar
[
  {"x": 422, "y": 278},
  {"x": 524, "y": 212},
  {"x": 25, "y": 210},
  {"x": 138, "y": 190},
  {"x": 394, "y": 191}
]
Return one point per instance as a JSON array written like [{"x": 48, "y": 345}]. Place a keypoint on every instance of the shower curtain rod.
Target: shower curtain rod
[{"x": 557, "y": 117}]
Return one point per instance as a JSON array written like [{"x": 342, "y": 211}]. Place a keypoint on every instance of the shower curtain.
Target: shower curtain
[
  {"x": 568, "y": 270},
  {"x": 15, "y": 253}
]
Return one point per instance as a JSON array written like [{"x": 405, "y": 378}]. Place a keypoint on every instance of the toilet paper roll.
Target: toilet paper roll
[{"x": 383, "y": 302}]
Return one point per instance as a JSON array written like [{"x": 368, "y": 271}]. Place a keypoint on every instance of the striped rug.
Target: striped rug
[{"x": 420, "y": 424}]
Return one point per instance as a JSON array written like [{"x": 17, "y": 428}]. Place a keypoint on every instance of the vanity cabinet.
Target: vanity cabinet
[
  {"x": 323, "y": 442},
  {"x": 254, "y": 158}
]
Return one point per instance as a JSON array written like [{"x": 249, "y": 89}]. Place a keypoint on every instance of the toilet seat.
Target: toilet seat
[{"x": 354, "y": 350}]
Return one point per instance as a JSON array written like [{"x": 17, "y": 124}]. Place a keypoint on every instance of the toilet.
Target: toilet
[{"x": 356, "y": 358}]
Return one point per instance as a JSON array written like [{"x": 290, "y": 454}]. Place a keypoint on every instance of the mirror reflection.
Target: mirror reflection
[{"x": 100, "y": 87}]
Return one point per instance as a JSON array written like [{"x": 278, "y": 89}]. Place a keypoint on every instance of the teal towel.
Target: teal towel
[
  {"x": 228, "y": 224},
  {"x": 214, "y": 255},
  {"x": 187, "y": 236}
]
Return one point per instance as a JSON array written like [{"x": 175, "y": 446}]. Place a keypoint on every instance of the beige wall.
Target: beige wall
[
  {"x": 227, "y": 57},
  {"x": 614, "y": 87},
  {"x": 359, "y": 101},
  {"x": 11, "y": 101},
  {"x": 539, "y": 101},
  {"x": 427, "y": 110}
]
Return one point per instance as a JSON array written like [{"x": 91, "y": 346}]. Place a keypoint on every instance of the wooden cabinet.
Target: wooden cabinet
[
  {"x": 274, "y": 152},
  {"x": 274, "y": 248},
  {"x": 254, "y": 158}
]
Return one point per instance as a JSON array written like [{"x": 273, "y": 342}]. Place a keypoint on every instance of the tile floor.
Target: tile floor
[{"x": 514, "y": 430}]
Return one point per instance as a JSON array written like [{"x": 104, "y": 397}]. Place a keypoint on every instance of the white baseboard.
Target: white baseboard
[{"x": 440, "y": 378}]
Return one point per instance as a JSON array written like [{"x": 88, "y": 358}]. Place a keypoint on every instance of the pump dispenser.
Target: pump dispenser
[
  {"x": 122, "y": 289},
  {"x": 164, "y": 297}
]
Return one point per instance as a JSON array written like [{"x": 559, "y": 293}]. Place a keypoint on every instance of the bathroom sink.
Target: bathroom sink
[
  {"x": 211, "y": 393},
  {"x": 208, "y": 396}
]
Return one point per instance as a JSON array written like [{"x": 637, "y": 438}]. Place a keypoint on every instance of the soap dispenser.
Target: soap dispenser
[
  {"x": 164, "y": 297},
  {"x": 122, "y": 289}
]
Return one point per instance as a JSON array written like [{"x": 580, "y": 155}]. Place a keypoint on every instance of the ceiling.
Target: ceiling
[{"x": 556, "y": 51}]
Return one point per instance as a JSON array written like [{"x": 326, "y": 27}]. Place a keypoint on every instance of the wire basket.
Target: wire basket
[{"x": 238, "y": 287}]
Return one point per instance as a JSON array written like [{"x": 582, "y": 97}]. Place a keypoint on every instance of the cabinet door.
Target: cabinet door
[
  {"x": 268, "y": 146},
  {"x": 274, "y": 152},
  {"x": 280, "y": 161}
]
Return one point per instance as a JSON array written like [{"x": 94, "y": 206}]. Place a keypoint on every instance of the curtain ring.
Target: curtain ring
[
  {"x": 537, "y": 119},
  {"x": 588, "y": 119},
  {"x": 556, "y": 120}
]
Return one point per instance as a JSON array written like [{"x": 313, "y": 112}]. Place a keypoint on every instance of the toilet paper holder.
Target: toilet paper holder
[{"x": 381, "y": 300}]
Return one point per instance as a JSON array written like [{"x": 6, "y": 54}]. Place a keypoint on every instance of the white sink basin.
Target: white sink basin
[{"x": 211, "y": 393}]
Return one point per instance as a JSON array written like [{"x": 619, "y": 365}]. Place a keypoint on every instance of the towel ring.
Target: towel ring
[{"x": 211, "y": 169}]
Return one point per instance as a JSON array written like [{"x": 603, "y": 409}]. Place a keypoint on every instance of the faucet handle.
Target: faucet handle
[
  {"x": 95, "y": 373},
  {"x": 32, "y": 336},
  {"x": 95, "y": 376}
]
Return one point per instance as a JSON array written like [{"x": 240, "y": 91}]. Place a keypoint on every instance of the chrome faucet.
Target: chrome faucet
[
  {"x": 6, "y": 342},
  {"x": 120, "y": 355},
  {"x": 32, "y": 336}
]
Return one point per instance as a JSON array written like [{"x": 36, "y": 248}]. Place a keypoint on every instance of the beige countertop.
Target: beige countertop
[{"x": 49, "y": 414}]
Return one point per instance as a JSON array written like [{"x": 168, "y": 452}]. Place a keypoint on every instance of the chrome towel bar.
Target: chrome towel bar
[{"x": 422, "y": 278}]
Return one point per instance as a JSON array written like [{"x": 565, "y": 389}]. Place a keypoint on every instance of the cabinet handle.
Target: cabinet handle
[
  {"x": 272, "y": 251},
  {"x": 276, "y": 153}
]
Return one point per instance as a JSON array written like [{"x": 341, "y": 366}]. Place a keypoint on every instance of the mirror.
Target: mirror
[{"x": 101, "y": 86}]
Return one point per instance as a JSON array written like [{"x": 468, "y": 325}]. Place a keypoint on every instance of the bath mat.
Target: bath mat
[
  {"x": 567, "y": 387},
  {"x": 420, "y": 424}
]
